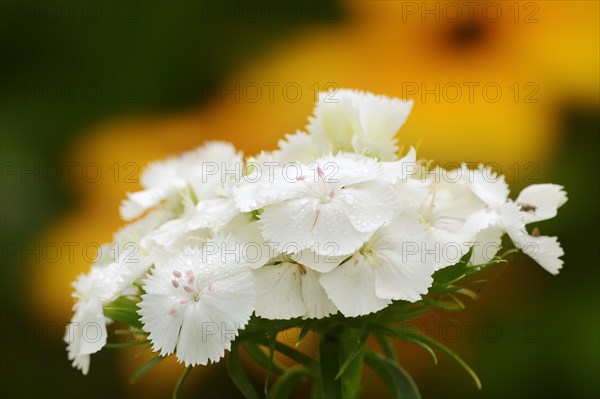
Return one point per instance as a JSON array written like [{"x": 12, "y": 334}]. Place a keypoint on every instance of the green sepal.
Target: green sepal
[{"x": 395, "y": 377}]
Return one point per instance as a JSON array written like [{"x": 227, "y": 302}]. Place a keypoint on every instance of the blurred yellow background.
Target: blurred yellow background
[{"x": 512, "y": 83}]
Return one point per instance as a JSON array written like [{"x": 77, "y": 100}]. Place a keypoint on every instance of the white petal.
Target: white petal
[
  {"x": 345, "y": 169},
  {"x": 298, "y": 147},
  {"x": 296, "y": 225},
  {"x": 214, "y": 321},
  {"x": 318, "y": 305},
  {"x": 487, "y": 185},
  {"x": 401, "y": 169},
  {"x": 271, "y": 184},
  {"x": 171, "y": 232},
  {"x": 513, "y": 220},
  {"x": 139, "y": 202},
  {"x": 348, "y": 120},
  {"x": 104, "y": 283},
  {"x": 397, "y": 280},
  {"x": 412, "y": 192},
  {"x": 137, "y": 231},
  {"x": 81, "y": 362},
  {"x": 197, "y": 302},
  {"x": 166, "y": 175},
  {"x": 546, "y": 251},
  {"x": 162, "y": 179},
  {"x": 213, "y": 213},
  {"x": 546, "y": 198},
  {"x": 351, "y": 287},
  {"x": 278, "y": 291},
  {"x": 451, "y": 204},
  {"x": 214, "y": 151},
  {"x": 401, "y": 272},
  {"x": 86, "y": 334},
  {"x": 446, "y": 248},
  {"x": 487, "y": 244},
  {"x": 368, "y": 205},
  {"x": 482, "y": 220},
  {"x": 159, "y": 320},
  {"x": 381, "y": 117},
  {"x": 204, "y": 337},
  {"x": 255, "y": 250},
  {"x": 334, "y": 123},
  {"x": 321, "y": 263}
]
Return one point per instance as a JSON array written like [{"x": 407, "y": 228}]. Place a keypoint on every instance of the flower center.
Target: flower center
[
  {"x": 185, "y": 284},
  {"x": 426, "y": 216},
  {"x": 368, "y": 252}
]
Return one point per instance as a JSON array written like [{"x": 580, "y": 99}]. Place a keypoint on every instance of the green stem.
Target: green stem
[
  {"x": 352, "y": 350},
  {"x": 329, "y": 360},
  {"x": 180, "y": 381}
]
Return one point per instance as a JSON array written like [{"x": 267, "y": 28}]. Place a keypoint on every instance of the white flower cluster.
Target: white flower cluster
[{"x": 333, "y": 220}]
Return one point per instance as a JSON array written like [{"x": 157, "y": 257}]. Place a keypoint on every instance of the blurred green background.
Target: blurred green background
[{"x": 129, "y": 81}]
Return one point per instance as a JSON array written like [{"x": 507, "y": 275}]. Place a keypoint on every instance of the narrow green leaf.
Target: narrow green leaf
[
  {"x": 508, "y": 252},
  {"x": 329, "y": 362},
  {"x": 448, "y": 305},
  {"x": 123, "y": 310},
  {"x": 387, "y": 348},
  {"x": 237, "y": 373},
  {"x": 282, "y": 388},
  {"x": 180, "y": 381},
  {"x": 144, "y": 350},
  {"x": 260, "y": 357},
  {"x": 272, "y": 340},
  {"x": 448, "y": 352},
  {"x": 404, "y": 335},
  {"x": 395, "y": 377},
  {"x": 128, "y": 331},
  {"x": 457, "y": 301},
  {"x": 256, "y": 214},
  {"x": 137, "y": 374},
  {"x": 452, "y": 273},
  {"x": 441, "y": 286},
  {"x": 479, "y": 283},
  {"x": 426, "y": 342},
  {"x": 396, "y": 313},
  {"x": 351, "y": 353},
  {"x": 140, "y": 287},
  {"x": 304, "y": 331},
  {"x": 116, "y": 345},
  {"x": 295, "y": 355},
  {"x": 358, "y": 347}
]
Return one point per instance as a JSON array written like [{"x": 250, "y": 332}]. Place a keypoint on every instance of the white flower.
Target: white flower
[
  {"x": 195, "y": 223},
  {"x": 444, "y": 215},
  {"x": 541, "y": 201},
  {"x": 202, "y": 208},
  {"x": 86, "y": 334},
  {"x": 332, "y": 220},
  {"x": 337, "y": 200},
  {"x": 390, "y": 266},
  {"x": 140, "y": 232},
  {"x": 355, "y": 121},
  {"x": 298, "y": 147},
  {"x": 546, "y": 251},
  {"x": 535, "y": 203},
  {"x": 202, "y": 168},
  {"x": 286, "y": 289},
  {"x": 119, "y": 265},
  {"x": 255, "y": 251},
  {"x": 196, "y": 303}
]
